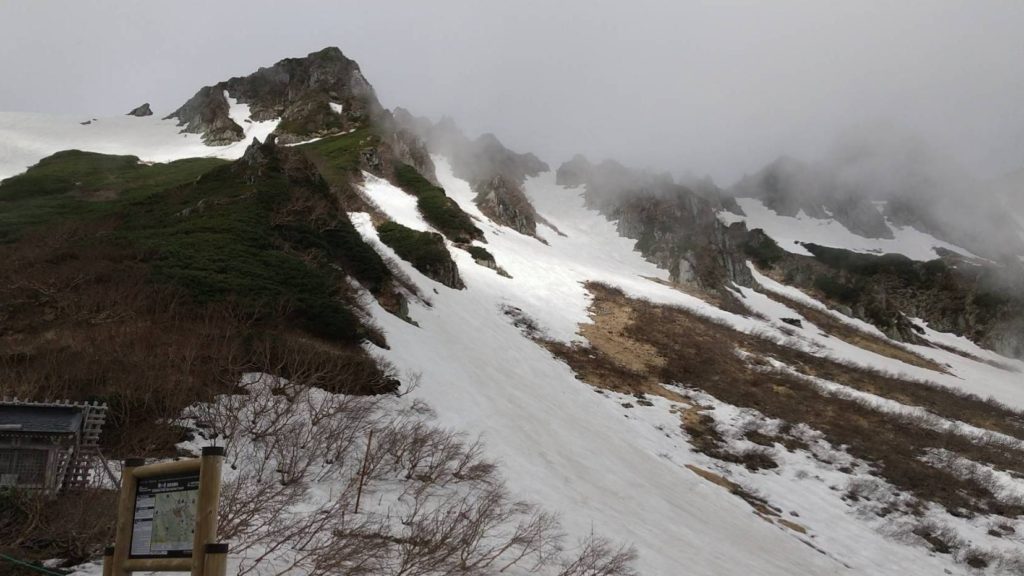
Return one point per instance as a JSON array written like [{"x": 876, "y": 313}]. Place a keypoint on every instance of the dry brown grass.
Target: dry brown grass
[
  {"x": 761, "y": 507},
  {"x": 609, "y": 338},
  {"x": 701, "y": 353}
]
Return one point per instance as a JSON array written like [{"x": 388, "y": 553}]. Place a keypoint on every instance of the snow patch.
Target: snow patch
[
  {"x": 398, "y": 204},
  {"x": 26, "y": 138}
]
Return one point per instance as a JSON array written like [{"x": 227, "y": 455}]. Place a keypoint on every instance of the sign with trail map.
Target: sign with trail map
[{"x": 165, "y": 516}]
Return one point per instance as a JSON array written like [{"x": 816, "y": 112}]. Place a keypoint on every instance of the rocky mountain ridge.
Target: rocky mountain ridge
[{"x": 323, "y": 93}]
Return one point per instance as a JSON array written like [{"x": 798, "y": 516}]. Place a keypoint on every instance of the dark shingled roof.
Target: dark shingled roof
[{"x": 39, "y": 419}]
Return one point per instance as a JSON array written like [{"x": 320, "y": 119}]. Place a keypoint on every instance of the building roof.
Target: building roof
[{"x": 23, "y": 418}]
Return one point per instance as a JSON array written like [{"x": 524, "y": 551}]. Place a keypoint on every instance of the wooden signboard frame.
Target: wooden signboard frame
[{"x": 207, "y": 557}]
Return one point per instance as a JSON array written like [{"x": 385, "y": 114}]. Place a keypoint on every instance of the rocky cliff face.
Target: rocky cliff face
[
  {"x": 323, "y": 93},
  {"x": 674, "y": 227},
  {"x": 504, "y": 201},
  {"x": 206, "y": 113}
]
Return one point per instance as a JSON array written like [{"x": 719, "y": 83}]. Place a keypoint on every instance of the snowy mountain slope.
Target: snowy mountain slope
[
  {"x": 560, "y": 443},
  {"x": 630, "y": 472},
  {"x": 571, "y": 449},
  {"x": 790, "y": 231},
  {"x": 26, "y": 138}
]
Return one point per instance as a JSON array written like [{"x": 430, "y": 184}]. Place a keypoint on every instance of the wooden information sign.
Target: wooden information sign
[{"x": 167, "y": 518}]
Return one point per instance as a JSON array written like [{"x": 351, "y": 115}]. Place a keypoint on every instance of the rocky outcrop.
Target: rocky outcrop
[
  {"x": 206, "y": 113},
  {"x": 141, "y": 111},
  {"x": 980, "y": 302},
  {"x": 574, "y": 172},
  {"x": 673, "y": 226},
  {"x": 677, "y": 228},
  {"x": 406, "y": 145},
  {"x": 505, "y": 202},
  {"x": 321, "y": 94},
  {"x": 261, "y": 159}
]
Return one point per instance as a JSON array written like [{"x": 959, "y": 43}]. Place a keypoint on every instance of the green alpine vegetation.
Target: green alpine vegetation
[
  {"x": 426, "y": 251},
  {"x": 437, "y": 208},
  {"x": 216, "y": 240},
  {"x": 339, "y": 156},
  {"x": 167, "y": 282},
  {"x": 74, "y": 185},
  {"x": 480, "y": 253},
  {"x": 211, "y": 229}
]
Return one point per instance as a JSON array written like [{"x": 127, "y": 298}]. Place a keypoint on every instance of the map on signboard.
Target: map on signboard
[
  {"x": 174, "y": 519},
  {"x": 165, "y": 516}
]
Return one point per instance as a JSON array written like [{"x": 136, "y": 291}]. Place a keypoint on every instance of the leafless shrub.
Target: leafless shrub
[
  {"x": 597, "y": 556},
  {"x": 72, "y": 526},
  {"x": 441, "y": 507}
]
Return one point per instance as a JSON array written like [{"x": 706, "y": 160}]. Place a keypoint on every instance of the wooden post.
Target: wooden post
[
  {"x": 216, "y": 559},
  {"x": 362, "y": 470},
  {"x": 207, "y": 502},
  {"x": 108, "y": 561},
  {"x": 125, "y": 509}
]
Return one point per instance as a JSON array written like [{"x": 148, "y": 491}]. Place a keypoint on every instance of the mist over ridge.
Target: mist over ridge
[{"x": 717, "y": 90}]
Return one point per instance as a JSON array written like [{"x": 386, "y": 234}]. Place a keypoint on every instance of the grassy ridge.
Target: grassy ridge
[
  {"x": 342, "y": 153},
  {"x": 73, "y": 184},
  {"x": 205, "y": 227}
]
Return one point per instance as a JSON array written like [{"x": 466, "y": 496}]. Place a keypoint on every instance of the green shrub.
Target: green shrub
[
  {"x": 426, "y": 251},
  {"x": 911, "y": 272},
  {"x": 480, "y": 253},
  {"x": 837, "y": 290},
  {"x": 437, "y": 208},
  {"x": 764, "y": 251},
  {"x": 206, "y": 227},
  {"x": 343, "y": 243},
  {"x": 226, "y": 248}
]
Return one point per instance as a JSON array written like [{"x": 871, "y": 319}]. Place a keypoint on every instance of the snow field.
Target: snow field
[
  {"x": 790, "y": 231},
  {"x": 578, "y": 451},
  {"x": 27, "y": 138}
]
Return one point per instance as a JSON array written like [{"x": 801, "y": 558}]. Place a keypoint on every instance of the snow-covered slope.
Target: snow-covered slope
[
  {"x": 790, "y": 231},
  {"x": 559, "y": 442},
  {"x": 26, "y": 138},
  {"x": 623, "y": 471},
  {"x": 630, "y": 473}
]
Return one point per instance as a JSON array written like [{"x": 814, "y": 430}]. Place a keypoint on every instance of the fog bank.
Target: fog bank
[{"x": 711, "y": 88}]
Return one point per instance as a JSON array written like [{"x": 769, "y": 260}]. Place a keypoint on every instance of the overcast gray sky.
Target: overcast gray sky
[{"x": 711, "y": 87}]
